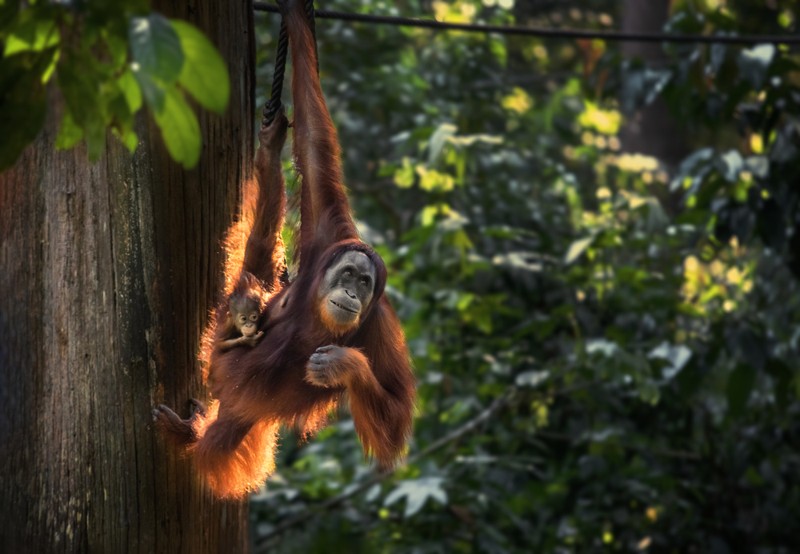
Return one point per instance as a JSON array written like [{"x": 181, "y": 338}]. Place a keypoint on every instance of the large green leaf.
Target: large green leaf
[
  {"x": 180, "y": 128},
  {"x": 204, "y": 74},
  {"x": 155, "y": 48}
]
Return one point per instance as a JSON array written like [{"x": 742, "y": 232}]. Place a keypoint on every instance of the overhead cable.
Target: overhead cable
[{"x": 615, "y": 36}]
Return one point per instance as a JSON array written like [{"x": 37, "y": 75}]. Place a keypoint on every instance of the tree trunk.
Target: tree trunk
[
  {"x": 652, "y": 130},
  {"x": 108, "y": 273}
]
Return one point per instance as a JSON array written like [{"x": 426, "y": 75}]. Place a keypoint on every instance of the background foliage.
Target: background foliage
[
  {"x": 106, "y": 60},
  {"x": 620, "y": 336},
  {"x": 606, "y": 343}
]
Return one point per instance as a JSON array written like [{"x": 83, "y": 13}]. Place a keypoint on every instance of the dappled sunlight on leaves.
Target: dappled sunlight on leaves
[
  {"x": 603, "y": 121},
  {"x": 634, "y": 319}
]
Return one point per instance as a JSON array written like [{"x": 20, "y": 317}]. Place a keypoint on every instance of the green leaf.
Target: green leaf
[
  {"x": 732, "y": 164},
  {"x": 81, "y": 90},
  {"x": 179, "y": 128},
  {"x": 758, "y": 166},
  {"x": 464, "y": 301},
  {"x": 532, "y": 378},
  {"x": 32, "y": 35},
  {"x": 155, "y": 48},
  {"x": 405, "y": 176},
  {"x": 51, "y": 66},
  {"x": 499, "y": 50},
  {"x": 526, "y": 261},
  {"x": 152, "y": 90},
  {"x": 117, "y": 48},
  {"x": 122, "y": 119},
  {"x": 204, "y": 74},
  {"x": 740, "y": 385},
  {"x": 438, "y": 139},
  {"x": 416, "y": 493},
  {"x": 577, "y": 248},
  {"x": 754, "y": 63},
  {"x": 131, "y": 90},
  {"x": 432, "y": 180},
  {"x": 129, "y": 138},
  {"x": 69, "y": 133},
  {"x": 677, "y": 356},
  {"x": 469, "y": 140},
  {"x": 602, "y": 346}
]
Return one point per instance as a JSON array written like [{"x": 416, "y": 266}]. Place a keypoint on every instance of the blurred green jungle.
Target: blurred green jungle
[
  {"x": 595, "y": 251},
  {"x": 594, "y": 248}
]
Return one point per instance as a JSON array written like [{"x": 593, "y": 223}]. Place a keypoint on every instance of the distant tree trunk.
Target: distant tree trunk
[
  {"x": 107, "y": 273},
  {"x": 652, "y": 130}
]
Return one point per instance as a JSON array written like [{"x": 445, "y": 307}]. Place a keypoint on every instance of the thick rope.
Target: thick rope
[{"x": 274, "y": 103}]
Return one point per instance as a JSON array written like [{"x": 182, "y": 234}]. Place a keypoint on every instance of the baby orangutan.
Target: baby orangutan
[{"x": 245, "y": 306}]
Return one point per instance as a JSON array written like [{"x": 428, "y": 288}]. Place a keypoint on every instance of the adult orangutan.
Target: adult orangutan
[{"x": 329, "y": 332}]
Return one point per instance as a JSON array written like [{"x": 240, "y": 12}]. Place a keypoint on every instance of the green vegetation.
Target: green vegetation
[
  {"x": 632, "y": 327},
  {"x": 105, "y": 58},
  {"x": 606, "y": 342}
]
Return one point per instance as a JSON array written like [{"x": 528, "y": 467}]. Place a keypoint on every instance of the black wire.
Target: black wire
[{"x": 541, "y": 32}]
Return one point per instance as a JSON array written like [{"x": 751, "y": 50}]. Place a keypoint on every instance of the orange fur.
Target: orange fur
[
  {"x": 286, "y": 378},
  {"x": 243, "y": 468},
  {"x": 330, "y": 323}
]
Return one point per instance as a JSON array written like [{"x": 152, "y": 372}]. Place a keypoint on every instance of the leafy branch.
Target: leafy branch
[{"x": 106, "y": 72}]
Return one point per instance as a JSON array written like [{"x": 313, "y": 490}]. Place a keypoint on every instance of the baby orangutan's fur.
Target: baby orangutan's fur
[
  {"x": 245, "y": 307},
  {"x": 330, "y": 331}
]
